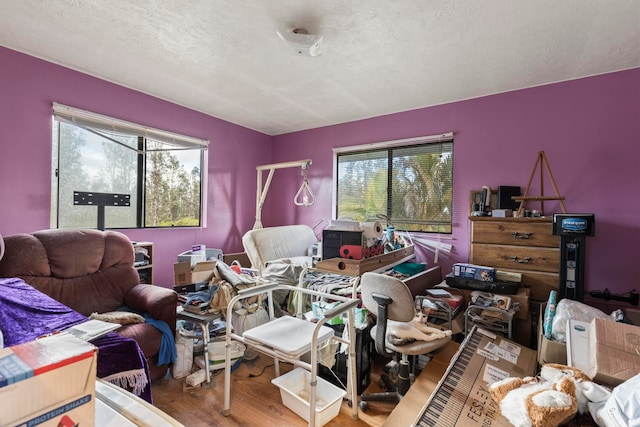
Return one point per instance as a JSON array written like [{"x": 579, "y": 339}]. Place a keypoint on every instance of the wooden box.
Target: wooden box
[{"x": 352, "y": 267}]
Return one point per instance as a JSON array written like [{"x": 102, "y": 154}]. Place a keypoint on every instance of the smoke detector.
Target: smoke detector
[{"x": 301, "y": 43}]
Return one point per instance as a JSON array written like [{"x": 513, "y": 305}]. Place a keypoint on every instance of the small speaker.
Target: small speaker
[{"x": 505, "y": 193}]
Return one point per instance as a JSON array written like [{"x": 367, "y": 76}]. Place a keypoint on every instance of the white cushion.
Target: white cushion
[
  {"x": 272, "y": 243},
  {"x": 120, "y": 317}
]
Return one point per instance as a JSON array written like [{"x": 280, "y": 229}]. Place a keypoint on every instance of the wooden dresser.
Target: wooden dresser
[{"x": 522, "y": 245}]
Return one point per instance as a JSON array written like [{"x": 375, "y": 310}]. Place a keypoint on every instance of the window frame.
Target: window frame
[
  {"x": 388, "y": 146},
  {"x": 144, "y": 135}
]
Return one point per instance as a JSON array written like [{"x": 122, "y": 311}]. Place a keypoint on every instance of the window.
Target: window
[
  {"x": 408, "y": 181},
  {"x": 132, "y": 176}
]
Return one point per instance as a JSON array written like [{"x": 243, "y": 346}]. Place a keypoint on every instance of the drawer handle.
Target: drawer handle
[
  {"x": 521, "y": 236},
  {"x": 525, "y": 260}
]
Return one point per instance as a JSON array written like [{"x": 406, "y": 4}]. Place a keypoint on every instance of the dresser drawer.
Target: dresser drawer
[
  {"x": 518, "y": 257},
  {"x": 516, "y": 233}
]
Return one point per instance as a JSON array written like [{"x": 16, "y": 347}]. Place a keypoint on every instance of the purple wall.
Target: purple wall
[
  {"x": 588, "y": 128},
  {"x": 29, "y": 86}
]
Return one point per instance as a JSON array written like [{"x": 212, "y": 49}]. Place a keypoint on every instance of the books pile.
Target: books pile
[
  {"x": 453, "y": 300},
  {"x": 196, "y": 305}
]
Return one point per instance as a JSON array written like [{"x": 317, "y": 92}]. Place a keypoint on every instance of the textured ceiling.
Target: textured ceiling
[{"x": 224, "y": 58}]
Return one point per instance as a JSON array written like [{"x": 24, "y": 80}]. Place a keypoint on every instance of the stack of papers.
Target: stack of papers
[{"x": 92, "y": 329}]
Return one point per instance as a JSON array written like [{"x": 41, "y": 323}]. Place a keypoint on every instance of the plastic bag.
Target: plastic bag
[
  {"x": 243, "y": 321},
  {"x": 184, "y": 361},
  {"x": 622, "y": 409},
  {"x": 575, "y": 310}
]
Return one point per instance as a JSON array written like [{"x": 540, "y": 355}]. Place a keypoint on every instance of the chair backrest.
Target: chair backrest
[
  {"x": 401, "y": 308},
  {"x": 268, "y": 244}
]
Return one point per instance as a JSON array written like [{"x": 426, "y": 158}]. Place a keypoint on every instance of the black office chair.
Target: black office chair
[{"x": 391, "y": 300}]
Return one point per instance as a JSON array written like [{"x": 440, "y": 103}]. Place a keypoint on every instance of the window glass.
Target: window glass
[
  {"x": 411, "y": 185},
  {"x": 160, "y": 181},
  {"x": 173, "y": 186}
]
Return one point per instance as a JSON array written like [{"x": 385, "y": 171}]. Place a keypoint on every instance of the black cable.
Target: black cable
[{"x": 261, "y": 372}]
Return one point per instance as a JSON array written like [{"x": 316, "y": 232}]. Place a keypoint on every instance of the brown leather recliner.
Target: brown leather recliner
[{"x": 92, "y": 271}]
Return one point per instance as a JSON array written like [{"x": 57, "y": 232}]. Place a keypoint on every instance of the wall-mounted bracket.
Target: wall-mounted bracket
[
  {"x": 261, "y": 192},
  {"x": 83, "y": 198}
]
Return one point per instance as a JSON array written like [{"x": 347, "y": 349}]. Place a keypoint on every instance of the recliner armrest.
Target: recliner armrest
[{"x": 159, "y": 302}]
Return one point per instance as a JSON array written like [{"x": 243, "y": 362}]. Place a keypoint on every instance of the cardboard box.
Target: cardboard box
[
  {"x": 48, "y": 382},
  {"x": 632, "y": 314},
  {"x": 183, "y": 274},
  {"x": 484, "y": 358},
  {"x": 549, "y": 351},
  {"x": 405, "y": 411},
  {"x": 614, "y": 353},
  {"x": 241, "y": 257},
  {"x": 457, "y": 325},
  {"x": 522, "y": 297},
  {"x": 476, "y": 272},
  {"x": 522, "y": 333}
]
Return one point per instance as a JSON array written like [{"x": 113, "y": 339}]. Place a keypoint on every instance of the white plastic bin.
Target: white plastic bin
[
  {"x": 216, "y": 354},
  {"x": 295, "y": 390}
]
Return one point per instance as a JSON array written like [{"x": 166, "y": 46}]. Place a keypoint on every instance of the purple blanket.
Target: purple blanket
[{"x": 26, "y": 314}]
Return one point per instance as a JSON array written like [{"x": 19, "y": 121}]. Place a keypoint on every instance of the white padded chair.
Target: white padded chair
[
  {"x": 391, "y": 300},
  {"x": 272, "y": 243}
]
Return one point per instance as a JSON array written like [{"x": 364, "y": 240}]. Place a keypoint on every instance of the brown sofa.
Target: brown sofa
[{"x": 92, "y": 271}]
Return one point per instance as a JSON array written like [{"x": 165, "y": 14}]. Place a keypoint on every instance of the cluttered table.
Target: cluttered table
[{"x": 202, "y": 320}]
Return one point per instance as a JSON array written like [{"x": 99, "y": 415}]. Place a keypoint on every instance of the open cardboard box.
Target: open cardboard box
[
  {"x": 614, "y": 351},
  {"x": 497, "y": 358},
  {"x": 49, "y": 382},
  {"x": 241, "y": 257},
  {"x": 549, "y": 351},
  {"x": 183, "y": 274}
]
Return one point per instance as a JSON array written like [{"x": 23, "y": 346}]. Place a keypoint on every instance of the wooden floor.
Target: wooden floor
[{"x": 254, "y": 400}]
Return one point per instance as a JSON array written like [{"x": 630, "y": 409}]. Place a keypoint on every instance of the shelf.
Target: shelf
[
  {"x": 145, "y": 271},
  {"x": 501, "y": 321}
]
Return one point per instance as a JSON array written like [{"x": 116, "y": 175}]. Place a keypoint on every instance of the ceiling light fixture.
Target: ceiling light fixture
[{"x": 301, "y": 43}]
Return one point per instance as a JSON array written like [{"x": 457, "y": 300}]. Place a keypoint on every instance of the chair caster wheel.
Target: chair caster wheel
[{"x": 364, "y": 406}]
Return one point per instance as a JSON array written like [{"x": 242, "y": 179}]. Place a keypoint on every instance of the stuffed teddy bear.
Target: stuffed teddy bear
[{"x": 550, "y": 399}]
